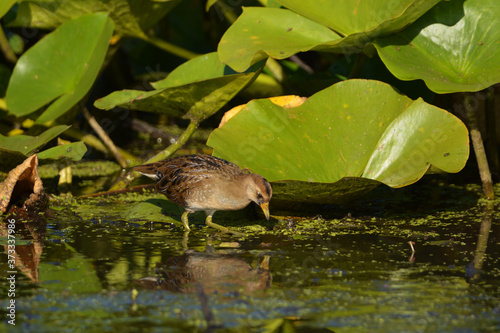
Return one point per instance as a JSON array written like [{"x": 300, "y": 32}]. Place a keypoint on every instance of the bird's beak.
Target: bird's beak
[{"x": 265, "y": 209}]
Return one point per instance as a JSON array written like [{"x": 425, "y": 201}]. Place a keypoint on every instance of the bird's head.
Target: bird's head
[{"x": 259, "y": 191}]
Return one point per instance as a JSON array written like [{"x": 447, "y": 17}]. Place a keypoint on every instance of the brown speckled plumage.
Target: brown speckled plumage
[{"x": 202, "y": 182}]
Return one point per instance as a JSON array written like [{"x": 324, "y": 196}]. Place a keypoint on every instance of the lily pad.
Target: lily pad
[
  {"x": 154, "y": 210},
  {"x": 274, "y": 32},
  {"x": 352, "y": 17},
  {"x": 336, "y": 26},
  {"x": 356, "y": 128},
  {"x": 15, "y": 149},
  {"x": 73, "y": 151},
  {"x": 60, "y": 69},
  {"x": 26, "y": 144},
  {"x": 454, "y": 47},
  {"x": 285, "y": 193},
  {"x": 195, "y": 90},
  {"x": 132, "y": 17},
  {"x": 5, "y": 6}
]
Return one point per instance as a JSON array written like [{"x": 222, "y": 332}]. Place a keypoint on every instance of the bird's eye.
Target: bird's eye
[{"x": 259, "y": 196}]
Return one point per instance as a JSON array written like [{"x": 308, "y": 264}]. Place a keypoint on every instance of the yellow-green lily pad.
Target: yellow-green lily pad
[{"x": 356, "y": 129}]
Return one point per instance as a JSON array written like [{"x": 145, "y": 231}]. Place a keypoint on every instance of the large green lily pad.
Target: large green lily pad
[
  {"x": 60, "y": 69},
  {"x": 195, "y": 90},
  {"x": 132, "y": 17},
  {"x": 347, "y": 17},
  {"x": 454, "y": 47},
  {"x": 335, "y": 26},
  {"x": 356, "y": 128}
]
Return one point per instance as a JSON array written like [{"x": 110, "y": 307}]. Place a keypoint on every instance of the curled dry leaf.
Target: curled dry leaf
[
  {"x": 23, "y": 185},
  {"x": 27, "y": 257},
  {"x": 288, "y": 101}
]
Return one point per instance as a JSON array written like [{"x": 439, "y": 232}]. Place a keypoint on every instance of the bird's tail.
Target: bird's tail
[{"x": 148, "y": 170}]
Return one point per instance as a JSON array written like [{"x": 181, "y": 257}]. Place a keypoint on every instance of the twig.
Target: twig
[
  {"x": 308, "y": 69},
  {"x": 412, "y": 257},
  {"x": 137, "y": 188},
  {"x": 104, "y": 137}
]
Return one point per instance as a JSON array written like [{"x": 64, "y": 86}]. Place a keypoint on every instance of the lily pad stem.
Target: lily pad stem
[
  {"x": 104, "y": 137},
  {"x": 482, "y": 240},
  {"x": 477, "y": 143},
  {"x": 274, "y": 67},
  {"x": 9, "y": 54},
  {"x": 226, "y": 10},
  {"x": 171, "y": 48},
  {"x": 188, "y": 132}
]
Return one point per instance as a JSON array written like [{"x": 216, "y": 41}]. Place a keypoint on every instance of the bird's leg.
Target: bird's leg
[
  {"x": 265, "y": 263},
  {"x": 208, "y": 221},
  {"x": 185, "y": 237},
  {"x": 184, "y": 219}
]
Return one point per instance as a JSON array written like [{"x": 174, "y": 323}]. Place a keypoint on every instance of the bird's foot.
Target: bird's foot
[{"x": 211, "y": 224}]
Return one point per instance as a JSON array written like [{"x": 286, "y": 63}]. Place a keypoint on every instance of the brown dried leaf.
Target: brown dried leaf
[{"x": 23, "y": 184}]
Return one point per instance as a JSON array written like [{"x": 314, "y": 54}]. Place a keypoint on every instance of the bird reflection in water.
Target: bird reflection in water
[{"x": 214, "y": 272}]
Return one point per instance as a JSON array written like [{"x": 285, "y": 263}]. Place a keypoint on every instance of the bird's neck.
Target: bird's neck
[
  {"x": 239, "y": 183},
  {"x": 236, "y": 190}
]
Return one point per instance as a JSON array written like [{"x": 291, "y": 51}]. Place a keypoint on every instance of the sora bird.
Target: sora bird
[{"x": 207, "y": 183}]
